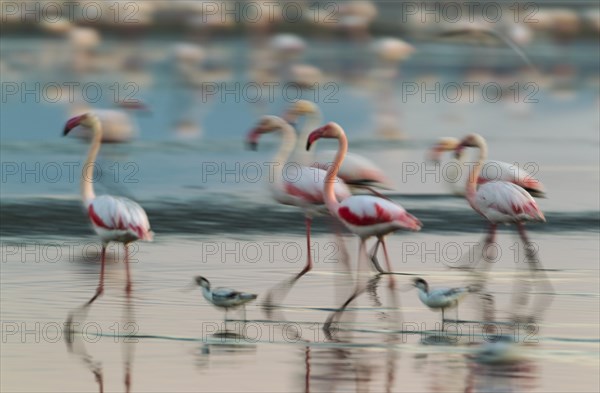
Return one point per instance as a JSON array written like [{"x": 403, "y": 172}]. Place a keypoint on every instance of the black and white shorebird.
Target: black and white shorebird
[
  {"x": 226, "y": 298},
  {"x": 440, "y": 298}
]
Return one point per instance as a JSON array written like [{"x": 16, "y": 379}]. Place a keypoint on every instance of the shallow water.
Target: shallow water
[{"x": 230, "y": 231}]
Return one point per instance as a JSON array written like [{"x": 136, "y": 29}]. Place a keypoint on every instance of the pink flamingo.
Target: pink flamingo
[
  {"x": 500, "y": 202},
  {"x": 364, "y": 215},
  {"x": 305, "y": 190},
  {"x": 115, "y": 219},
  {"x": 491, "y": 170}
]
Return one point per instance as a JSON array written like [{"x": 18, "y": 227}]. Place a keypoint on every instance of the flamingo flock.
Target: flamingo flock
[{"x": 334, "y": 183}]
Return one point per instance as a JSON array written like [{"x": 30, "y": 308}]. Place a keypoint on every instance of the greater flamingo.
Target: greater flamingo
[
  {"x": 305, "y": 190},
  {"x": 115, "y": 219},
  {"x": 491, "y": 170},
  {"x": 356, "y": 171},
  {"x": 364, "y": 215},
  {"x": 501, "y": 202}
]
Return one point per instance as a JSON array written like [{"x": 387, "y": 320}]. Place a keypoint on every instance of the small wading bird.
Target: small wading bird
[
  {"x": 305, "y": 188},
  {"x": 455, "y": 175},
  {"x": 364, "y": 215},
  {"x": 224, "y": 297},
  {"x": 502, "y": 202},
  {"x": 440, "y": 298},
  {"x": 115, "y": 219}
]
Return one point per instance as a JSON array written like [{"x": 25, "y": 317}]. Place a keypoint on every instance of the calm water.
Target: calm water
[{"x": 232, "y": 233}]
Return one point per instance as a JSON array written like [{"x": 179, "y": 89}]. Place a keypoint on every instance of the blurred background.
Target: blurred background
[{"x": 178, "y": 84}]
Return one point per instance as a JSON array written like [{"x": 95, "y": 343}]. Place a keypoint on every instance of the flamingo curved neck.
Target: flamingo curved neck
[
  {"x": 87, "y": 175},
  {"x": 331, "y": 176},
  {"x": 288, "y": 142},
  {"x": 312, "y": 122},
  {"x": 476, "y": 170}
]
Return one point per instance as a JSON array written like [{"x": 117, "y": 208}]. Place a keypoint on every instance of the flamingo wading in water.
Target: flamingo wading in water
[
  {"x": 364, "y": 215},
  {"x": 501, "y": 202},
  {"x": 491, "y": 170},
  {"x": 115, "y": 219},
  {"x": 305, "y": 190}
]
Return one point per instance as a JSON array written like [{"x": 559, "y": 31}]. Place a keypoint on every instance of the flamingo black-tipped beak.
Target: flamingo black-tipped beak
[
  {"x": 72, "y": 123},
  {"x": 252, "y": 138},
  {"x": 316, "y": 134},
  {"x": 458, "y": 151}
]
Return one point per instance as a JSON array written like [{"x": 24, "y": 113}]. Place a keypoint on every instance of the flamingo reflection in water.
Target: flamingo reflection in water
[{"x": 76, "y": 346}]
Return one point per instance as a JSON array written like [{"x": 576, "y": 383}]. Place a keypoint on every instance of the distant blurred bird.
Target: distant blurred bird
[
  {"x": 356, "y": 171},
  {"x": 440, "y": 298},
  {"x": 118, "y": 125},
  {"x": 364, "y": 215},
  {"x": 456, "y": 175},
  {"x": 115, "y": 219},
  {"x": 226, "y": 298},
  {"x": 305, "y": 189}
]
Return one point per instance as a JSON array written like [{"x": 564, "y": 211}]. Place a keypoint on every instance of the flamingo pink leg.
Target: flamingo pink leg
[
  {"x": 392, "y": 283},
  {"x": 128, "y": 286},
  {"x": 309, "y": 263},
  {"x": 489, "y": 239},
  {"x": 100, "y": 289}
]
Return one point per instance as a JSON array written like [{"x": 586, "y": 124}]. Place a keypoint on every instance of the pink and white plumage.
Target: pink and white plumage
[
  {"x": 498, "y": 201},
  {"x": 306, "y": 191},
  {"x": 367, "y": 216},
  {"x": 456, "y": 175},
  {"x": 302, "y": 186},
  {"x": 115, "y": 219},
  {"x": 364, "y": 215},
  {"x": 504, "y": 202},
  {"x": 119, "y": 219}
]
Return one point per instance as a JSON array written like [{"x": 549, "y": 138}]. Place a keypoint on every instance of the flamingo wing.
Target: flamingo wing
[
  {"x": 120, "y": 215},
  {"x": 355, "y": 169},
  {"x": 503, "y": 171},
  {"x": 306, "y": 186},
  {"x": 505, "y": 202},
  {"x": 368, "y": 210}
]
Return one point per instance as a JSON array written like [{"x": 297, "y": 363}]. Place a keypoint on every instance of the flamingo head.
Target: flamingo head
[
  {"x": 265, "y": 125},
  {"x": 421, "y": 284},
  {"x": 87, "y": 120},
  {"x": 300, "y": 108},
  {"x": 203, "y": 282},
  {"x": 441, "y": 146},
  {"x": 330, "y": 130},
  {"x": 471, "y": 140}
]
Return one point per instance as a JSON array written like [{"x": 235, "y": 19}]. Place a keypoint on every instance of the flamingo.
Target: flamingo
[
  {"x": 364, "y": 215},
  {"x": 356, "y": 171},
  {"x": 114, "y": 219},
  {"x": 491, "y": 170},
  {"x": 500, "y": 202},
  {"x": 306, "y": 190}
]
